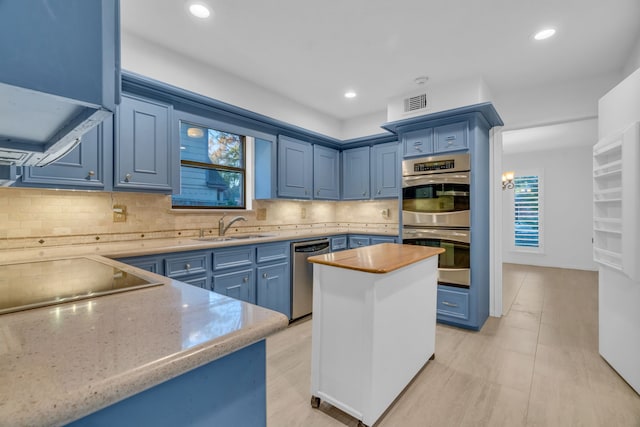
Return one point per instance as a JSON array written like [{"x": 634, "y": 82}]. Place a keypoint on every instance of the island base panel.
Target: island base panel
[
  {"x": 372, "y": 333},
  {"x": 226, "y": 392}
]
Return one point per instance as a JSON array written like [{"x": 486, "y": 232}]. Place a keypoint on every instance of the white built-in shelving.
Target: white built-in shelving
[{"x": 616, "y": 187}]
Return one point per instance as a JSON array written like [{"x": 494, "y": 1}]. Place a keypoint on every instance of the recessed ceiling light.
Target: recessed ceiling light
[
  {"x": 199, "y": 10},
  {"x": 350, "y": 94},
  {"x": 544, "y": 34}
]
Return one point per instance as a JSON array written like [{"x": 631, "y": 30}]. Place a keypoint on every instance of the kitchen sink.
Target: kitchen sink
[{"x": 236, "y": 237}]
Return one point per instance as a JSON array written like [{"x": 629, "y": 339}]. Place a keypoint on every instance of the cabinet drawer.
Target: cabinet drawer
[
  {"x": 382, "y": 239},
  {"x": 451, "y": 137},
  {"x": 338, "y": 243},
  {"x": 232, "y": 258},
  {"x": 182, "y": 265},
  {"x": 358, "y": 241},
  {"x": 418, "y": 142},
  {"x": 151, "y": 264},
  {"x": 453, "y": 303},
  {"x": 274, "y": 252}
]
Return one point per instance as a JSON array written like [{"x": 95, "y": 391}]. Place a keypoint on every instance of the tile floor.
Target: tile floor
[{"x": 538, "y": 365}]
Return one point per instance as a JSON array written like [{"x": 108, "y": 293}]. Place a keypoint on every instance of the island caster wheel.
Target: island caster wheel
[
  {"x": 315, "y": 402},
  {"x": 361, "y": 424},
  {"x": 433, "y": 356}
]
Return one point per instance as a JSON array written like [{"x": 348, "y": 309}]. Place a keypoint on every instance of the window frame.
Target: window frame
[{"x": 249, "y": 135}]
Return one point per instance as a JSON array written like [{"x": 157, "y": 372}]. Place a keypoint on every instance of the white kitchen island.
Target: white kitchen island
[{"x": 374, "y": 320}]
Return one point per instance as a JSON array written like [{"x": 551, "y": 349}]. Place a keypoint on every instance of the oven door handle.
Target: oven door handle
[
  {"x": 462, "y": 236},
  {"x": 454, "y": 178}
]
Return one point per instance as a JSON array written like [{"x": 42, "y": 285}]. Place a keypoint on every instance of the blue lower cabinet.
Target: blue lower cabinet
[
  {"x": 453, "y": 304},
  {"x": 239, "y": 284},
  {"x": 273, "y": 288},
  {"x": 338, "y": 243},
  {"x": 150, "y": 263},
  {"x": 199, "y": 281},
  {"x": 359, "y": 241},
  {"x": 382, "y": 239},
  {"x": 230, "y": 391}
]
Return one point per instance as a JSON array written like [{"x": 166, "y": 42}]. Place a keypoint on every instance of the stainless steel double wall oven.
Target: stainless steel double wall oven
[{"x": 436, "y": 212}]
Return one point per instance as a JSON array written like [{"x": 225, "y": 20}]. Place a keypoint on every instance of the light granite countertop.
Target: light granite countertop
[{"x": 63, "y": 362}]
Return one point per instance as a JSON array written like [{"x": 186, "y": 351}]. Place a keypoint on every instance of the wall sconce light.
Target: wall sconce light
[{"x": 507, "y": 180}]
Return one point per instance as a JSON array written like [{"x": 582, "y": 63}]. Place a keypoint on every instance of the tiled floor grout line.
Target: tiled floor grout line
[{"x": 535, "y": 354}]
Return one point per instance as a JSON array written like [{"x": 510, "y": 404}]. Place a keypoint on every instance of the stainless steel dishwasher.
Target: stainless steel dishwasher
[{"x": 302, "y": 274}]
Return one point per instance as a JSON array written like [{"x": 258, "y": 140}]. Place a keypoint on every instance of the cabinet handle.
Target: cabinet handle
[
  {"x": 187, "y": 266},
  {"x": 318, "y": 193},
  {"x": 90, "y": 175},
  {"x": 379, "y": 191},
  {"x": 364, "y": 193},
  {"x": 265, "y": 275},
  {"x": 127, "y": 177},
  {"x": 417, "y": 143},
  {"x": 450, "y": 138},
  {"x": 449, "y": 304},
  {"x": 306, "y": 192},
  {"x": 245, "y": 279}
]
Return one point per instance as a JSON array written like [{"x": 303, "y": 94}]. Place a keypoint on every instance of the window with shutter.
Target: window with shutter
[{"x": 527, "y": 212}]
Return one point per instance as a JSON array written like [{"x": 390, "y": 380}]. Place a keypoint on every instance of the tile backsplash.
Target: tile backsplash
[{"x": 41, "y": 217}]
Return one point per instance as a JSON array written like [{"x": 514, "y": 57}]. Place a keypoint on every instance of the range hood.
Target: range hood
[
  {"x": 37, "y": 128},
  {"x": 59, "y": 78}
]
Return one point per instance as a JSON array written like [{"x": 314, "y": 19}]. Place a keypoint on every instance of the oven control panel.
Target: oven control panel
[{"x": 436, "y": 164}]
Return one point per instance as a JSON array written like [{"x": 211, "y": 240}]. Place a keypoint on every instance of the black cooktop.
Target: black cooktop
[{"x": 34, "y": 284}]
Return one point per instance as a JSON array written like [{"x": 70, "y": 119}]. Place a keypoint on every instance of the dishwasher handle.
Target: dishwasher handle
[{"x": 309, "y": 247}]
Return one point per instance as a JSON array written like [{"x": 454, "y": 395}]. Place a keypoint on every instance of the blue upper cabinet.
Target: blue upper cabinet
[
  {"x": 451, "y": 137},
  {"x": 295, "y": 168},
  {"x": 87, "y": 166},
  {"x": 356, "y": 174},
  {"x": 326, "y": 173},
  {"x": 418, "y": 142},
  {"x": 143, "y": 153},
  {"x": 60, "y": 74},
  {"x": 385, "y": 170}
]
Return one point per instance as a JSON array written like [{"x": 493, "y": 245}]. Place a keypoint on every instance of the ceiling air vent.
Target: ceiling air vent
[{"x": 415, "y": 103}]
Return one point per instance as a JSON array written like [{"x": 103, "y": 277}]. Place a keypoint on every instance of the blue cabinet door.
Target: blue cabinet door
[
  {"x": 356, "y": 174},
  {"x": 239, "y": 284},
  {"x": 143, "y": 150},
  {"x": 326, "y": 173},
  {"x": 87, "y": 166},
  {"x": 418, "y": 142},
  {"x": 451, "y": 137},
  {"x": 295, "y": 168},
  {"x": 274, "y": 288},
  {"x": 385, "y": 170}
]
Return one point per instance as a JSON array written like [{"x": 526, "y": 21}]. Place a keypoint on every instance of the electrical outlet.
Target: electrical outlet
[
  {"x": 261, "y": 214},
  {"x": 119, "y": 213}
]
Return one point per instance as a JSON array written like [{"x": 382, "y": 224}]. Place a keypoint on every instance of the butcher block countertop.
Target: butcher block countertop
[{"x": 378, "y": 259}]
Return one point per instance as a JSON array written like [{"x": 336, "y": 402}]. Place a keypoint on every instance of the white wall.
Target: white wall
[
  {"x": 567, "y": 203},
  {"x": 151, "y": 60},
  {"x": 633, "y": 63}
]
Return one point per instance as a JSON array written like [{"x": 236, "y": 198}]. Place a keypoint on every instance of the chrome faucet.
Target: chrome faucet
[{"x": 223, "y": 228}]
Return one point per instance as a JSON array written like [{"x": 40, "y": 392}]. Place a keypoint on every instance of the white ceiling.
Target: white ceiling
[{"x": 313, "y": 51}]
